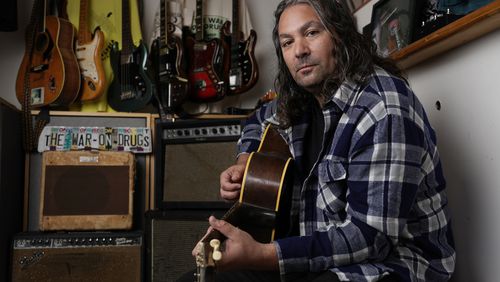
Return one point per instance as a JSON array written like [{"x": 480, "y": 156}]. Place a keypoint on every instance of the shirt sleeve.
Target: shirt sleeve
[
  {"x": 255, "y": 126},
  {"x": 381, "y": 175}
]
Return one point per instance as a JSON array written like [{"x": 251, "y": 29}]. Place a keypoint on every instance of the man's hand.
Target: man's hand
[
  {"x": 241, "y": 251},
  {"x": 230, "y": 179}
]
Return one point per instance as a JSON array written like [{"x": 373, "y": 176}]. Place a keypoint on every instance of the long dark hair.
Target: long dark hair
[{"x": 355, "y": 57}]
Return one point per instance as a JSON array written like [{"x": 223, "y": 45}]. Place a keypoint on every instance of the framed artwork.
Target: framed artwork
[{"x": 393, "y": 22}]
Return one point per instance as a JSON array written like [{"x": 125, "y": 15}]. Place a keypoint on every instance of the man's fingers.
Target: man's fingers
[{"x": 222, "y": 226}]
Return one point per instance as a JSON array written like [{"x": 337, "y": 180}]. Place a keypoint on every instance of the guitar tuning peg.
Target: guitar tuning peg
[{"x": 216, "y": 254}]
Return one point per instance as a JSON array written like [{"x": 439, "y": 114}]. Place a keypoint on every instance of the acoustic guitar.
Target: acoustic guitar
[
  {"x": 208, "y": 63},
  {"x": 244, "y": 71},
  {"x": 131, "y": 88},
  {"x": 88, "y": 51},
  {"x": 264, "y": 204},
  {"x": 166, "y": 57},
  {"x": 49, "y": 74}
]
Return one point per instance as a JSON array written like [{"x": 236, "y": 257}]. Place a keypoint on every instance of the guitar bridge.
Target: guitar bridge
[{"x": 39, "y": 68}]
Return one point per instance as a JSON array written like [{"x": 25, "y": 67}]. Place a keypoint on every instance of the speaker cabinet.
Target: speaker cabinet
[
  {"x": 87, "y": 190},
  {"x": 76, "y": 119},
  {"x": 189, "y": 157},
  {"x": 171, "y": 236},
  {"x": 61, "y": 257},
  {"x": 11, "y": 181}
]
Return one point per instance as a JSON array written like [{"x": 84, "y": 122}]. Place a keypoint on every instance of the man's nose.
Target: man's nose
[{"x": 301, "y": 48}]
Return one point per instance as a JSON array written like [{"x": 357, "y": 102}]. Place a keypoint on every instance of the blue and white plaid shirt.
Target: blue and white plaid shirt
[{"x": 375, "y": 202}]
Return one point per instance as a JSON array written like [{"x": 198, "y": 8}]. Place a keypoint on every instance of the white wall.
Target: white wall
[
  {"x": 261, "y": 14},
  {"x": 465, "y": 81}
]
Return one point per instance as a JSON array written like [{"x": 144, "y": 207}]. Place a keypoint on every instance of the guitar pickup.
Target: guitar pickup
[
  {"x": 200, "y": 47},
  {"x": 39, "y": 68}
]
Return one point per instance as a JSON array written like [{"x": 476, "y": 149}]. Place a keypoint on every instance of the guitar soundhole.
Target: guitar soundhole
[{"x": 42, "y": 42}]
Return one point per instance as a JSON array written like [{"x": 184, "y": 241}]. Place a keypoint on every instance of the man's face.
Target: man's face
[{"x": 307, "y": 46}]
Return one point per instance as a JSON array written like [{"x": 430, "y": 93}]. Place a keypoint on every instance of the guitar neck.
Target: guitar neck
[
  {"x": 84, "y": 35},
  {"x": 235, "y": 36},
  {"x": 163, "y": 22},
  {"x": 199, "y": 36},
  {"x": 127, "y": 42}
]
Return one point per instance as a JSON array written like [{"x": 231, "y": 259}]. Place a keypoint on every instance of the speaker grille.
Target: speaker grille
[
  {"x": 172, "y": 235},
  {"x": 76, "y": 190},
  {"x": 192, "y": 170}
]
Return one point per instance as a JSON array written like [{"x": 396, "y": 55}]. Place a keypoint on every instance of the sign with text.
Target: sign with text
[{"x": 62, "y": 138}]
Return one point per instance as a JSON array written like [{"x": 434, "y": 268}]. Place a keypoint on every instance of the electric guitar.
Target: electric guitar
[
  {"x": 49, "y": 72},
  {"x": 244, "y": 71},
  {"x": 88, "y": 51},
  {"x": 208, "y": 63},
  {"x": 131, "y": 88},
  {"x": 263, "y": 207},
  {"x": 166, "y": 56}
]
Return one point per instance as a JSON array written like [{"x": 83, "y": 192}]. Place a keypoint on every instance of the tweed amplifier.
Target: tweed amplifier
[
  {"x": 83, "y": 190},
  {"x": 82, "y": 256}
]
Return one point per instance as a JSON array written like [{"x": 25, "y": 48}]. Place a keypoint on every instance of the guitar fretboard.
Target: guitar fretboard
[
  {"x": 84, "y": 35},
  {"x": 199, "y": 20},
  {"x": 127, "y": 43}
]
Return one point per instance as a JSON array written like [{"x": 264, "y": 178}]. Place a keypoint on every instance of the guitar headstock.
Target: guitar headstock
[
  {"x": 208, "y": 253},
  {"x": 268, "y": 97}
]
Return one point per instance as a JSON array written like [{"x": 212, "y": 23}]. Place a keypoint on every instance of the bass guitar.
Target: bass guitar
[
  {"x": 244, "y": 71},
  {"x": 88, "y": 51},
  {"x": 166, "y": 57},
  {"x": 208, "y": 63},
  {"x": 263, "y": 207},
  {"x": 131, "y": 89},
  {"x": 49, "y": 72}
]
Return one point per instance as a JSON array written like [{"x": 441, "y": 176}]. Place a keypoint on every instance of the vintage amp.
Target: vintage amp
[
  {"x": 83, "y": 190},
  {"x": 189, "y": 157},
  {"x": 79, "y": 256}
]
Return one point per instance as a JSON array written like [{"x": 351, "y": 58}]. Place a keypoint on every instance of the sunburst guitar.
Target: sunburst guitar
[{"x": 88, "y": 52}]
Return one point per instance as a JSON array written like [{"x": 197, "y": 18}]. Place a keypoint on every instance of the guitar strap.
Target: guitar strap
[{"x": 30, "y": 134}]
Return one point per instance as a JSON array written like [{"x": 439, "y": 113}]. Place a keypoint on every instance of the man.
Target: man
[{"x": 369, "y": 197}]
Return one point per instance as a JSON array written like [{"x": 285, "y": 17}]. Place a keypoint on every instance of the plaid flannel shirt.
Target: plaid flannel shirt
[{"x": 375, "y": 202}]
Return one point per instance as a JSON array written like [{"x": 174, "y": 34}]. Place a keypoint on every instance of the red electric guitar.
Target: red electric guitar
[{"x": 208, "y": 63}]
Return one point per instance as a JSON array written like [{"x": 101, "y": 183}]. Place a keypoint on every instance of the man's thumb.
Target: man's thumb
[{"x": 222, "y": 226}]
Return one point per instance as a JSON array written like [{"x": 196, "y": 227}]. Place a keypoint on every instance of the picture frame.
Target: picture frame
[
  {"x": 393, "y": 24},
  {"x": 355, "y": 5}
]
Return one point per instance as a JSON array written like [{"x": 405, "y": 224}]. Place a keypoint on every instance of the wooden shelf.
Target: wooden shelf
[{"x": 459, "y": 32}]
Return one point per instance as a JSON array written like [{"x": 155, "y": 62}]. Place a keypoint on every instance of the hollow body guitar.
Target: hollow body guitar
[
  {"x": 49, "y": 72},
  {"x": 264, "y": 204}
]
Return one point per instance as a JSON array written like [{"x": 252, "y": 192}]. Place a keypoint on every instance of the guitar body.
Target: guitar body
[
  {"x": 208, "y": 69},
  {"x": 264, "y": 204},
  {"x": 244, "y": 72},
  {"x": 91, "y": 67},
  {"x": 54, "y": 75},
  {"x": 166, "y": 61},
  {"x": 131, "y": 89}
]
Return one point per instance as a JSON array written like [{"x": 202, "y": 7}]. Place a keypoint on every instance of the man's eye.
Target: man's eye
[
  {"x": 285, "y": 44},
  {"x": 312, "y": 32}
]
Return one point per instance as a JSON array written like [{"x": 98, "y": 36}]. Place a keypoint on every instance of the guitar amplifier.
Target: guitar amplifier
[
  {"x": 83, "y": 190},
  {"x": 82, "y": 256},
  {"x": 189, "y": 157},
  {"x": 171, "y": 235}
]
